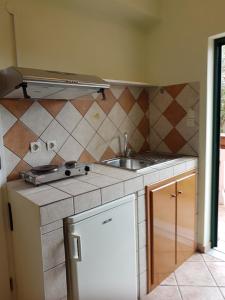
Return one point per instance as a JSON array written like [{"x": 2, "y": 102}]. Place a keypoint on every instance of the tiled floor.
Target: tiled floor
[
  {"x": 202, "y": 277},
  {"x": 221, "y": 231}
]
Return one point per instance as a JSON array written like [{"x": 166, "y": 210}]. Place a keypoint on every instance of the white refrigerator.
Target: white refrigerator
[{"x": 101, "y": 252}]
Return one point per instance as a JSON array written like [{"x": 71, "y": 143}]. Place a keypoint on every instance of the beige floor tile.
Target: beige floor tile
[
  {"x": 164, "y": 293},
  {"x": 194, "y": 273},
  {"x": 208, "y": 257},
  {"x": 196, "y": 257},
  {"x": 223, "y": 291},
  {"x": 200, "y": 293},
  {"x": 218, "y": 271},
  {"x": 170, "y": 280}
]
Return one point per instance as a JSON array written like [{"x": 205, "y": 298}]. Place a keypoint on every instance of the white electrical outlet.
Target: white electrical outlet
[
  {"x": 35, "y": 147},
  {"x": 51, "y": 145}
]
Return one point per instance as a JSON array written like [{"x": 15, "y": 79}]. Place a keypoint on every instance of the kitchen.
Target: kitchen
[{"x": 156, "y": 112}]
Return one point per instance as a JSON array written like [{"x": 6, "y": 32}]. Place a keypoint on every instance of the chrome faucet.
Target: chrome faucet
[{"x": 127, "y": 150}]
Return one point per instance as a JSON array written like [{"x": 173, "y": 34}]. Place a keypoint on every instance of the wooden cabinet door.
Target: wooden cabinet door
[
  {"x": 161, "y": 233},
  {"x": 186, "y": 193}
]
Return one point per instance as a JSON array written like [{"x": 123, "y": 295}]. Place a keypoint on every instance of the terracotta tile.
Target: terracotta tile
[
  {"x": 143, "y": 100},
  {"x": 16, "y": 107},
  {"x": 82, "y": 104},
  {"x": 18, "y": 139},
  {"x": 175, "y": 90},
  {"x": 22, "y": 166},
  {"x": 86, "y": 157},
  {"x": 53, "y": 106},
  {"x": 108, "y": 103},
  {"x": 145, "y": 147},
  {"x": 144, "y": 127},
  {"x": 109, "y": 153},
  {"x": 174, "y": 141},
  {"x": 174, "y": 113},
  {"x": 126, "y": 100},
  {"x": 57, "y": 160}
]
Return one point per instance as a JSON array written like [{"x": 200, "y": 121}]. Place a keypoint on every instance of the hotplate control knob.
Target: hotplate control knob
[
  {"x": 87, "y": 168},
  {"x": 67, "y": 172}
]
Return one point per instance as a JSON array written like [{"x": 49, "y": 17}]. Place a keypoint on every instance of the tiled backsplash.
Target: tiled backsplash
[
  {"x": 87, "y": 129},
  {"x": 90, "y": 129},
  {"x": 174, "y": 118}
]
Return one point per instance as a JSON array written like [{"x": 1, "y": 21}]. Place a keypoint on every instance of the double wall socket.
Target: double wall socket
[{"x": 36, "y": 146}]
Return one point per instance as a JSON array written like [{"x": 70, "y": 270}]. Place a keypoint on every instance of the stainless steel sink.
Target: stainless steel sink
[
  {"x": 139, "y": 163},
  {"x": 127, "y": 163}
]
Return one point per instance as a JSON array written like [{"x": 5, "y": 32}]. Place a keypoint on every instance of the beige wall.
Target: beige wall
[
  {"x": 106, "y": 38},
  {"x": 6, "y": 58},
  {"x": 177, "y": 52}
]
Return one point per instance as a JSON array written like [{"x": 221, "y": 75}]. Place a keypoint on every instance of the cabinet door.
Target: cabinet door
[
  {"x": 186, "y": 191},
  {"x": 162, "y": 207}
]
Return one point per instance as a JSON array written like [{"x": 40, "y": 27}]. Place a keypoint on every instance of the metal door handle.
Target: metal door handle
[
  {"x": 77, "y": 247},
  {"x": 180, "y": 192},
  {"x": 173, "y": 195}
]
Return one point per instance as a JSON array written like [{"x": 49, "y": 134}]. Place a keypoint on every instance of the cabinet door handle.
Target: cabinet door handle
[
  {"x": 173, "y": 195},
  {"x": 180, "y": 192},
  {"x": 77, "y": 247}
]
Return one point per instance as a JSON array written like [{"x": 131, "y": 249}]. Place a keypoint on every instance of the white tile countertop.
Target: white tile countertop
[{"x": 103, "y": 184}]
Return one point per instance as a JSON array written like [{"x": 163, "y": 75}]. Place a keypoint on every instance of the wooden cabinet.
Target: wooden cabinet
[{"x": 170, "y": 226}]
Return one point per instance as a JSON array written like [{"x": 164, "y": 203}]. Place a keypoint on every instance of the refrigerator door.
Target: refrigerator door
[{"x": 102, "y": 255}]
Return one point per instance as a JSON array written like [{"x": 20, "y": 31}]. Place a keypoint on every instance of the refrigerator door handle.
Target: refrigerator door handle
[{"x": 77, "y": 247}]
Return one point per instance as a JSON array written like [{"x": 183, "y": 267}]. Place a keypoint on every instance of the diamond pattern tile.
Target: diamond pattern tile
[
  {"x": 174, "y": 141},
  {"x": 107, "y": 104},
  {"x": 17, "y": 108},
  {"x": 7, "y": 119},
  {"x": 187, "y": 97},
  {"x": 163, "y": 127},
  {"x": 162, "y": 100},
  {"x": 71, "y": 150},
  {"x": 90, "y": 129},
  {"x": 136, "y": 114},
  {"x": 36, "y": 118},
  {"x": 21, "y": 166},
  {"x": 117, "y": 115},
  {"x": 53, "y": 106},
  {"x": 11, "y": 161},
  {"x": 143, "y": 100},
  {"x": 107, "y": 130},
  {"x": 126, "y": 100},
  {"x": 17, "y": 133},
  {"x": 69, "y": 117},
  {"x": 83, "y": 133},
  {"x": 174, "y": 113},
  {"x": 137, "y": 141},
  {"x": 42, "y": 157},
  {"x": 143, "y": 127},
  {"x": 86, "y": 157},
  {"x": 57, "y": 160},
  {"x": 109, "y": 153},
  {"x": 95, "y": 116},
  {"x": 83, "y": 104},
  {"x": 97, "y": 147},
  {"x": 135, "y": 91},
  {"x": 127, "y": 127},
  {"x": 175, "y": 90},
  {"x": 55, "y": 132}
]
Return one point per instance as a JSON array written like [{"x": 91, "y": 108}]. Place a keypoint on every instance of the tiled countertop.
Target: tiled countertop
[{"x": 103, "y": 184}]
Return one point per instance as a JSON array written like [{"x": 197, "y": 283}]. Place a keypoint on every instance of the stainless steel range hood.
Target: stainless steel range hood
[{"x": 18, "y": 82}]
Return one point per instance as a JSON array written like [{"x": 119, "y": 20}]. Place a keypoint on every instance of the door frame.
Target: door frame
[{"x": 218, "y": 43}]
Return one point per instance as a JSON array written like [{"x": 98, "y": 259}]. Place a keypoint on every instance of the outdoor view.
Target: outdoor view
[
  {"x": 221, "y": 219},
  {"x": 222, "y": 124}
]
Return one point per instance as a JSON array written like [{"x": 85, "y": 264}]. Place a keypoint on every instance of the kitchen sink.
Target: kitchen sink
[
  {"x": 127, "y": 163},
  {"x": 140, "y": 162}
]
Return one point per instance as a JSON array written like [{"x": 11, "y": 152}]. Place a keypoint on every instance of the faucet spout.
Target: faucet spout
[{"x": 125, "y": 143}]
